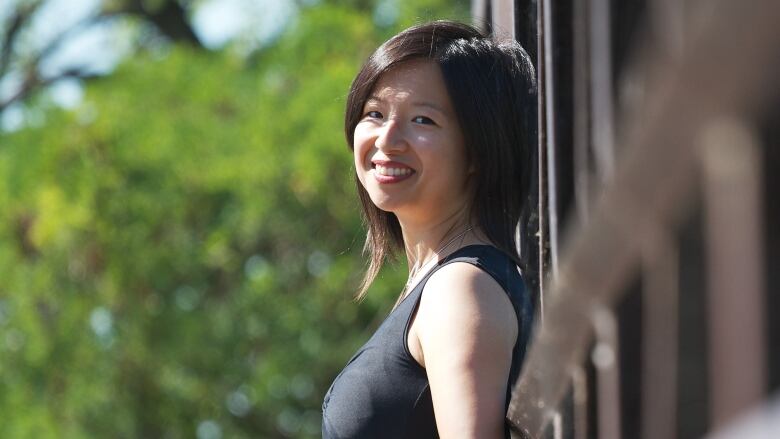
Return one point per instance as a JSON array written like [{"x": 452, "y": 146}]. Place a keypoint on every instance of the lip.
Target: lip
[{"x": 390, "y": 179}]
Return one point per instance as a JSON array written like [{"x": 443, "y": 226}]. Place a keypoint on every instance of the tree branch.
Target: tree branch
[
  {"x": 17, "y": 22},
  {"x": 67, "y": 33},
  {"x": 34, "y": 81},
  {"x": 170, "y": 19}
]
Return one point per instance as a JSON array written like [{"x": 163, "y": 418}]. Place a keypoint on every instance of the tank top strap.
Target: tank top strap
[{"x": 487, "y": 258}]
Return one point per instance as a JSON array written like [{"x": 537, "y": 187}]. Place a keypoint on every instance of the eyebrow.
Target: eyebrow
[{"x": 414, "y": 103}]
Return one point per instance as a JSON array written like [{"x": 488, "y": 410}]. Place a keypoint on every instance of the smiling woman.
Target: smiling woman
[
  {"x": 436, "y": 121},
  {"x": 408, "y": 147}
]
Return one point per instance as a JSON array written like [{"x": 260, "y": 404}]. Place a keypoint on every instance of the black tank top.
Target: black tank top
[{"x": 383, "y": 392}]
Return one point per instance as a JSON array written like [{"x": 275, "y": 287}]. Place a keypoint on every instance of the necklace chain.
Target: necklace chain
[{"x": 419, "y": 268}]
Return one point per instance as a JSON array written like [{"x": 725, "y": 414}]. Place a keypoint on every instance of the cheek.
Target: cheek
[
  {"x": 459, "y": 168},
  {"x": 364, "y": 139},
  {"x": 359, "y": 170},
  {"x": 359, "y": 152}
]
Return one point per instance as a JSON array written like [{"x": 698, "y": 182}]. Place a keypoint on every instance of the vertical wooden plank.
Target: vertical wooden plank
[
  {"x": 604, "y": 357},
  {"x": 549, "y": 128},
  {"x": 601, "y": 88},
  {"x": 531, "y": 242},
  {"x": 582, "y": 110},
  {"x": 692, "y": 392},
  {"x": 503, "y": 18},
  {"x": 479, "y": 14},
  {"x": 526, "y": 27},
  {"x": 543, "y": 211},
  {"x": 770, "y": 158},
  {"x": 557, "y": 423},
  {"x": 629, "y": 313},
  {"x": 732, "y": 182},
  {"x": 579, "y": 382},
  {"x": 659, "y": 372}
]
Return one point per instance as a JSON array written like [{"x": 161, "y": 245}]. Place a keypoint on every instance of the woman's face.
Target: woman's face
[{"x": 409, "y": 150}]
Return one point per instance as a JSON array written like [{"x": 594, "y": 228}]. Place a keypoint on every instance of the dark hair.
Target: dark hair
[{"x": 493, "y": 90}]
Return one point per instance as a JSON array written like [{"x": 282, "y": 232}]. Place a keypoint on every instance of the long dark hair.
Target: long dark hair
[{"x": 493, "y": 90}]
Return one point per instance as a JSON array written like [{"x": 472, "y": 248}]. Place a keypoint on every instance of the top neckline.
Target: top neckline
[{"x": 438, "y": 264}]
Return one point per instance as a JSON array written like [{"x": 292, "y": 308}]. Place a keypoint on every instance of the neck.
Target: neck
[{"x": 424, "y": 242}]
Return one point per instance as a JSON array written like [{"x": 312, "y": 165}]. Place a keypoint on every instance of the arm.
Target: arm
[{"x": 466, "y": 329}]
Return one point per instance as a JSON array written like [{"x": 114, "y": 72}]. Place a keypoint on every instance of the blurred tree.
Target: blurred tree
[
  {"x": 22, "y": 64},
  {"x": 178, "y": 253},
  {"x": 24, "y": 61}
]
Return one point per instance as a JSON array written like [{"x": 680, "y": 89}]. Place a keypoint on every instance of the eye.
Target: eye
[
  {"x": 423, "y": 120},
  {"x": 373, "y": 114}
]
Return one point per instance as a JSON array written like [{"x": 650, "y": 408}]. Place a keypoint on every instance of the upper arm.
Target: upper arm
[{"x": 466, "y": 327}]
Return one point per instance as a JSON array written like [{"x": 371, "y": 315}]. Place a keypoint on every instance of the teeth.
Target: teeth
[{"x": 384, "y": 170}]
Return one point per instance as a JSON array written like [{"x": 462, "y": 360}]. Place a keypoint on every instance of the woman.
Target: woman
[{"x": 437, "y": 121}]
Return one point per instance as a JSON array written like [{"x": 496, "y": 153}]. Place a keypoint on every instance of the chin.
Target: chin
[{"x": 385, "y": 203}]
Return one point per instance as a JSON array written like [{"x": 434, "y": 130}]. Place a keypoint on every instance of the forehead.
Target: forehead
[{"x": 417, "y": 78}]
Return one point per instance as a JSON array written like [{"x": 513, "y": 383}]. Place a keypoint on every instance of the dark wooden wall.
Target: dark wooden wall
[{"x": 657, "y": 220}]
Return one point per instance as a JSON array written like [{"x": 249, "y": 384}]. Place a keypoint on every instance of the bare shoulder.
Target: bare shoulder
[
  {"x": 462, "y": 298},
  {"x": 466, "y": 328}
]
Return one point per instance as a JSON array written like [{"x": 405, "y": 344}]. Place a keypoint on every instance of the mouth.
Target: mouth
[{"x": 391, "y": 172}]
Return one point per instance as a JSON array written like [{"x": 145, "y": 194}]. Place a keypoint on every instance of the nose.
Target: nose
[{"x": 390, "y": 137}]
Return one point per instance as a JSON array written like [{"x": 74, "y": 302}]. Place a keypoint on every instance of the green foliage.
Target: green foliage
[{"x": 179, "y": 253}]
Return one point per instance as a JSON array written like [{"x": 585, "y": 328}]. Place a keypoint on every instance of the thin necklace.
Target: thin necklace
[{"x": 417, "y": 269}]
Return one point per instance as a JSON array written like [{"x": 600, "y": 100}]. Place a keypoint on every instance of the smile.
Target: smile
[{"x": 388, "y": 172}]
